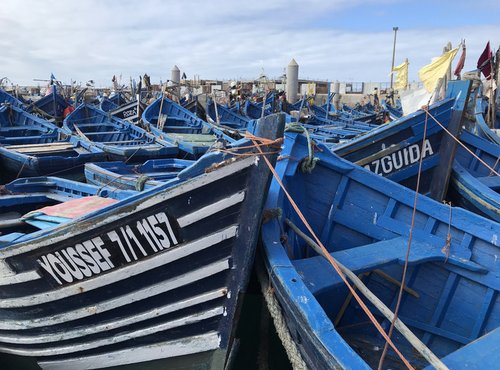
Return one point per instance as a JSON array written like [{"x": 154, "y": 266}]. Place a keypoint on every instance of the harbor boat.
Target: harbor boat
[
  {"x": 119, "y": 139},
  {"x": 112, "y": 102},
  {"x": 150, "y": 281},
  {"x": 395, "y": 112},
  {"x": 449, "y": 301},
  {"x": 473, "y": 185},
  {"x": 129, "y": 111},
  {"x": 481, "y": 127},
  {"x": 322, "y": 114},
  {"x": 17, "y": 125},
  {"x": 32, "y": 146},
  {"x": 394, "y": 149},
  {"x": 118, "y": 106},
  {"x": 358, "y": 114},
  {"x": 254, "y": 110},
  {"x": 194, "y": 106},
  {"x": 226, "y": 117},
  {"x": 6, "y": 98},
  {"x": 52, "y": 106},
  {"x": 175, "y": 124},
  {"x": 135, "y": 176}
]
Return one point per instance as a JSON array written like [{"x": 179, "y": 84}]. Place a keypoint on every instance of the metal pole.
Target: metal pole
[{"x": 395, "y": 29}]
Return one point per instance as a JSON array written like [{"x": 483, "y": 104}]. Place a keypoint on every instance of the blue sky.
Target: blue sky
[{"x": 346, "y": 40}]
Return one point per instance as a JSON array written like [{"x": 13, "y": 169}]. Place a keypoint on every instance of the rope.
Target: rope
[
  {"x": 335, "y": 265},
  {"x": 459, "y": 142},
  {"x": 257, "y": 143},
  {"x": 22, "y": 167},
  {"x": 141, "y": 181},
  {"x": 274, "y": 308},
  {"x": 307, "y": 165}
]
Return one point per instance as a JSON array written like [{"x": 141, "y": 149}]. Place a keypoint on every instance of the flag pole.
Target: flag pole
[{"x": 395, "y": 29}]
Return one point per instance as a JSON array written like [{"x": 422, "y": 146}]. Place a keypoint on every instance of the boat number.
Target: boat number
[
  {"x": 399, "y": 159},
  {"x": 117, "y": 247},
  {"x": 130, "y": 113}
]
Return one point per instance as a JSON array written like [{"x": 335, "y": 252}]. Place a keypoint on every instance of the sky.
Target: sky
[{"x": 345, "y": 40}]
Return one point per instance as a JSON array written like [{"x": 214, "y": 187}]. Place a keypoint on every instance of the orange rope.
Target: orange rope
[
  {"x": 458, "y": 141},
  {"x": 334, "y": 264}
]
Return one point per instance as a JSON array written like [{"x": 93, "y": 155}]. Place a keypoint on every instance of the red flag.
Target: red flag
[
  {"x": 484, "y": 61},
  {"x": 461, "y": 62}
]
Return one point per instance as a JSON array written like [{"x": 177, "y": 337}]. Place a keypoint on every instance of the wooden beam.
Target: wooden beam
[{"x": 442, "y": 173}]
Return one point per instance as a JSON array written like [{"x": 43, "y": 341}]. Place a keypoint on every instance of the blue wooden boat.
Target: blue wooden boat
[
  {"x": 395, "y": 112},
  {"x": 51, "y": 106},
  {"x": 451, "y": 297},
  {"x": 130, "y": 111},
  {"x": 358, "y": 113},
  {"x": 393, "y": 150},
  {"x": 194, "y": 106},
  {"x": 135, "y": 176},
  {"x": 473, "y": 185},
  {"x": 253, "y": 110},
  {"x": 150, "y": 281},
  {"x": 6, "y": 98},
  {"x": 113, "y": 102},
  {"x": 181, "y": 127},
  {"x": 226, "y": 117},
  {"x": 119, "y": 139},
  {"x": 481, "y": 128},
  {"x": 32, "y": 146},
  {"x": 16, "y": 125},
  {"x": 106, "y": 104}
]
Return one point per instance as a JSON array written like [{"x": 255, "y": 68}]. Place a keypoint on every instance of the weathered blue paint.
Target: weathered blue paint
[
  {"x": 183, "y": 128},
  {"x": 119, "y": 139},
  {"x": 393, "y": 150},
  {"x": 32, "y": 146},
  {"x": 473, "y": 185},
  {"x": 211, "y": 221},
  {"x": 133, "y": 176},
  {"x": 364, "y": 221}
]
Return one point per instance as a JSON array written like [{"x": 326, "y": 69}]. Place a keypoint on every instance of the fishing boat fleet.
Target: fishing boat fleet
[{"x": 131, "y": 228}]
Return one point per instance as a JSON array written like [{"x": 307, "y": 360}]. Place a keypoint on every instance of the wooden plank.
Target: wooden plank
[
  {"x": 195, "y": 138},
  {"x": 442, "y": 173},
  {"x": 444, "y": 299},
  {"x": 46, "y": 148},
  {"x": 488, "y": 300}
]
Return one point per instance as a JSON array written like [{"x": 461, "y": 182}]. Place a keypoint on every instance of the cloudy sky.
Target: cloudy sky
[{"x": 347, "y": 40}]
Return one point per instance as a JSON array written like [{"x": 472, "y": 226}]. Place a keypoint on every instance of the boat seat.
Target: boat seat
[
  {"x": 98, "y": 124},
  {"x": 19, "y": 140},
  {"x": 481, "y": 354},
  {"x": 195, "y": 138},
  {"x": 129, "y": 142},
  {"x": 102, "y": 133},
  {"x": 318, "y": 274},
  {"x": 492, "y": 182},
  {"x": 41, "y": 148}
]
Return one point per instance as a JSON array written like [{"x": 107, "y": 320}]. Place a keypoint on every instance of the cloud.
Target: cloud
[{"x": 214, "y": 39}]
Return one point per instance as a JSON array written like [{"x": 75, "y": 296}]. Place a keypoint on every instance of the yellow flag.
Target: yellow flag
[
  {"x": 401, "y": 75},
  {"x": 431, "y": 73}
]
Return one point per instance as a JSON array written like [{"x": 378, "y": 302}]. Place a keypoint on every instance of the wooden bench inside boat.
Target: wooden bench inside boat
[
  {"x": 129, "y": 142},
  {"x": 318, "y": 274},
  {"x": 41, "y": 148},
  {"x": 201, "y": 139},
  {"x": 93, "y": 133},
  {"x": 180, "y": 129},
  {"x": 467, "y": 357}
]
